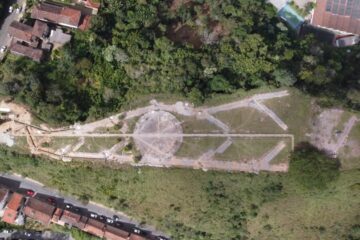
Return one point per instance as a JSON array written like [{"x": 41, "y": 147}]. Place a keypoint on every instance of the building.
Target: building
[
  {"x": 12, "y": 213},
  {"x": 57, "y": 215},
  {"x": 95, "y": 227},
  {"x": 115, "y": 233},
  {"x": 59, "y": 37},
  {"x": 40, "y": 29},
  {"x": 338, "y": 15},
  {"x": 39, "y": 210},
  {"x": 136, "y": 237},
  {"x": 26, "y": 51},
  {"x": 73, "y": 218},
  {"x": 23, "y": 33},
  {"x": 61, "y": 15}
]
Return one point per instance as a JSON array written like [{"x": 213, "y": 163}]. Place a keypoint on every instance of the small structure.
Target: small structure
[
  {"x": 136, "y": 237},
  {"x": 26, "y": 51},
  {"x": 95, "y": 227},
  {"x": 39, "y": 210},
  {"x": 59, "y": 37},
  {"x": 61, "y": 15},
  {"x": 12, "y": 211},
  {"x": 115, "y": 233},
  {"x": 345, "y": 41},
  {"x": 57, "y": 215},
  {"x": 23, "y": 33}
]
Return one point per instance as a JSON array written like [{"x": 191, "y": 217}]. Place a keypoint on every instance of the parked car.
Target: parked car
[
  {"x": 30, "y": 192},
  {"x": 3, "y": 49},
  {"x": 11, "y": 9},
  {"x": 18, "y": 10}
]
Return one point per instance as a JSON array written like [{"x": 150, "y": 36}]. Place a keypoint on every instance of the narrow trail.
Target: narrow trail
[{"x": 345, "y": 133}]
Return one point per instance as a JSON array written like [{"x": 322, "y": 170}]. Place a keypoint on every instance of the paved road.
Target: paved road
[{"x": 4, "y": 37}]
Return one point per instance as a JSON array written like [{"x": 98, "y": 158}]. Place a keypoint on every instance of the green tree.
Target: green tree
[{"x": 313, "y": 168}]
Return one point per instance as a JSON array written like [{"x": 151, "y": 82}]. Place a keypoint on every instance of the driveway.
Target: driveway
[{"x": 4, "y": 37}]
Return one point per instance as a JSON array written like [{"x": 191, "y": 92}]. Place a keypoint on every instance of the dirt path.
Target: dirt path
[{"x": 345, "y": 133}]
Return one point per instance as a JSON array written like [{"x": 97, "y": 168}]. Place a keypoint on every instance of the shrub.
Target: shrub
[{"x": 313, "y": 168}]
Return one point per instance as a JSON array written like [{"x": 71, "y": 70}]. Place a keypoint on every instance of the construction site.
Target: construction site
[{"x": 243, "y": 135}]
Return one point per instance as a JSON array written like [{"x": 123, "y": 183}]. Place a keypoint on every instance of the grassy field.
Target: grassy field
[
  {"x": 350, "y": 154},
  {"x": 97, "y": 144},
  {"x": 248, "y": 120},
  {"x": 61, "y": 142},
  {"x": 246, "y": 149},
  {"x": 193, "y": 125},
  {"x": 296, "y": 111},
  {"x": 192, "y": 204},
  {"x": 193, "y": 147}
]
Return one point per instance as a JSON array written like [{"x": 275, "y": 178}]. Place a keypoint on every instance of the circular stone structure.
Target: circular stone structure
[{"x": 158, "y": 134}]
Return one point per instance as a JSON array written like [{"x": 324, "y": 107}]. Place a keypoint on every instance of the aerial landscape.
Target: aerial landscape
[{"x": 180, "y": 119}]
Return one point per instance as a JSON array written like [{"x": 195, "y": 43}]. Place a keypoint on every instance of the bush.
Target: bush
[{"x": 313, "y": 168}]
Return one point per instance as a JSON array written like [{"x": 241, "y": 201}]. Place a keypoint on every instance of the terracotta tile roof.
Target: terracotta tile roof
[
  {"x": 21, "y": 50},
  {"x": 136, "y": 237},
  {"x": 85, "y": 23},
  {"x": 343, "y": 15},
  {"x": 11, "y": 211},
  {"x": 114, "y": 233},
  {"x": 95, "y": 227},
  {"x": 74, "y": 219},
  {"x": 22, "y": 32},
  {"x": 40, "y": 29},
  {"x": 58, "y": 14},
  {"x": 39, "y": 210}
]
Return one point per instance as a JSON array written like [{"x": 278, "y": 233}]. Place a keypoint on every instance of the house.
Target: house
[
  {"x": 95, "y": 227},
  {"x": 12, "y": 211},
  {"x": 59, "y": 37},
  {"x": 115, "y": 233},
  {"x": 39, "y": 210},
  {"x": 23, "y": 33},
  {"x": 40, "y": 29},
  {"x": 26, "y": 51},
  {"x": 73, "y": 217},
  {"x": 338, "y": 15},
  {"x": 61, "y": 15}
]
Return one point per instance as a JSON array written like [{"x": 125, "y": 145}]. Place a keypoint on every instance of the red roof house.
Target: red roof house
[
  {"x": 95, "y": 227},
  {"x": 13, "y": 207},
  {"x": 23, "y": 33},
  {"x": 39, "y": 210},
  {"x": 114, "y": 233},
  {"x": 22, "y": 50},
  {"x": 61, "y": 15}
]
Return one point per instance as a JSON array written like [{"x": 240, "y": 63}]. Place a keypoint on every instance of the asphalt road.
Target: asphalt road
[{"x": 4, "y": 37}]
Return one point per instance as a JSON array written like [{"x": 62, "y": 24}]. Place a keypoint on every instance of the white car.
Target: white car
[
  {"x": 18, "y": 10},
  {"x": 3, "y": 49},
  {"x": 11, "y": 9}
]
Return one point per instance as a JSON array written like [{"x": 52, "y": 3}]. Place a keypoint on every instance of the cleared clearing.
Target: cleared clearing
[{"x": 195, "y": 147}]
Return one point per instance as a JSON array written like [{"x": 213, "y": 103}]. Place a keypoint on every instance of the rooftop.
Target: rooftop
[
  {"x": 58, "y": 14},
  {"x": 342, "y": 15},
  {"x": 115, "y": 233},
  {"x": 22, "y": 32},
  {"x": 22, "y": 50},
  {"x": 39, "y": 210},
  {"x": 95, "y": 227}
]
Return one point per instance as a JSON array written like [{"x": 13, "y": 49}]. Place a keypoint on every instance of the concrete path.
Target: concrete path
[
  {"x": 271, "y": 114},
  {"x": 345, "y": 133}
]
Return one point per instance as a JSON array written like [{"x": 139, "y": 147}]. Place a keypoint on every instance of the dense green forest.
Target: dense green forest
[{"x": 192, "y": 48}]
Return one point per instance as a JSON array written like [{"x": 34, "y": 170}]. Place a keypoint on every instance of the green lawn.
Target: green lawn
[
  {"x": 193, "y": 147},
  {"x": 98, "y": 144},
  {"x": 296, "y": 111},
  {"x": 192, "y": 204},
  {"x": 61, "y": 142},
  {"x": 193, "y": 125},
  {"x": 248, "y": 120},
  {"x": 350, "y": 153},
  {"x": 246, "y": 149}
]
